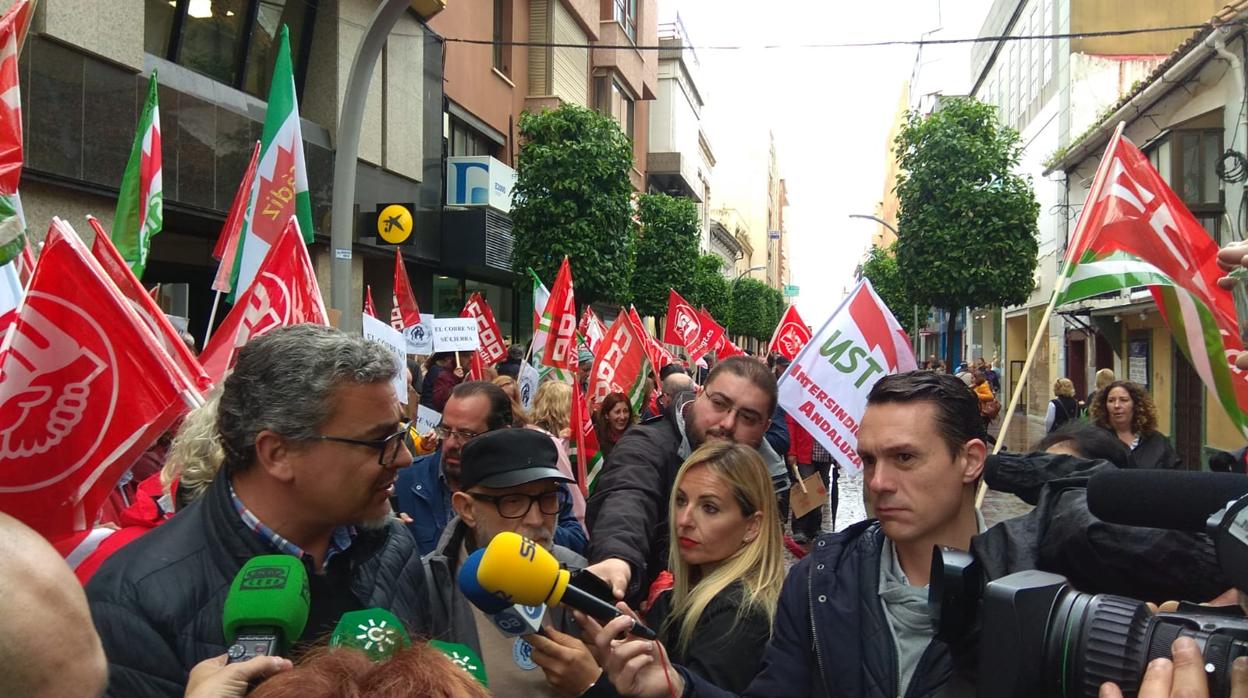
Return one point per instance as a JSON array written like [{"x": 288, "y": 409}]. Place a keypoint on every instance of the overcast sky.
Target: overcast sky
[{"x": 830, "y": 109}]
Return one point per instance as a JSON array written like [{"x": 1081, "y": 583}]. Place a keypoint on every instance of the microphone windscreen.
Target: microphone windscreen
[
  {"x": 1176, "y": 500},
  {"x": 472, "y": 589},
  {"x": 521, "y": 571},
  {"x": 270, "y": 591},
  {"x": 376, "y": 632}
]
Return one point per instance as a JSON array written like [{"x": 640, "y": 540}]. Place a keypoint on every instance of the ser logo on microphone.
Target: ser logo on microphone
[
  {"x": 261, "y": 578},
  {"x": 528, "y": 549}
]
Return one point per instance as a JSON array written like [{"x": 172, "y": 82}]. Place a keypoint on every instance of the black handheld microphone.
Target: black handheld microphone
[{"x": 1177, "y": 500}]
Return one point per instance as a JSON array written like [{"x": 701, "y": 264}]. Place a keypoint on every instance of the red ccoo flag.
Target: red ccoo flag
[
  {"x": 492, "y": 348},
  {"x": 284, "y": 292},
  {"x": 84, "y": 389},
  {"x": 561, "y": 349},
  {"x": 790, "y": 336},
  {"x": 369, "y": 308},
  {"x": 684, "y": 325}
]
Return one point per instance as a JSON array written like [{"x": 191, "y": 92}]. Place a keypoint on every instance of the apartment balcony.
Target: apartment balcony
[
  {"x": 628, "y": 63},
  {"x": 675, "y": 174}
]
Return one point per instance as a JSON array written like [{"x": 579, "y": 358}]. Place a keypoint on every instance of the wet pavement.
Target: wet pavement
[{"x": 1023, "y": 433}]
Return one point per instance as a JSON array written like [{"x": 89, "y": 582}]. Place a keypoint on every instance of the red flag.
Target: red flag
[
  {"x": 657, "y": 353},
  {"x": 684, "y": 325},
  {"x": 492, "y": 348},
  {"x": 369, "y": 309},
  {"x": 84, "y": 389},
  {"x": 227, "y": 241},
  {"x": 727, "y": 348},
  {"x": 790, "y": 335},
  {"x": 13, "y": 26},
  {"x": 620, "y": 366},
  {"x": 710, "y": 337},
  {"x": 585, "y": 439},
  {"x": 476, "y": 369},
  {"x": 25, "y": 264},
  {"x": 561, "y": 309},
  {"x": 190, "y": 370},
  {"x": 404, "y": 312},
  {"x": 284, "y": 292},
  {"x": 591, "y": 329}
]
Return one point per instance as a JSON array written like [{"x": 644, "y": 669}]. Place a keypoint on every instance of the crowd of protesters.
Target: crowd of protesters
[{"x": 305, "y": 451}]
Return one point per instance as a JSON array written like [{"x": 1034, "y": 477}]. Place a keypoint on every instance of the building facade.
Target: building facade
[
  {"x": 1051, "y": 90},
  {"x": 591, "y": 62},
  {"x": 1184, "y": 115},
  {"x": 84, "y": 80}
]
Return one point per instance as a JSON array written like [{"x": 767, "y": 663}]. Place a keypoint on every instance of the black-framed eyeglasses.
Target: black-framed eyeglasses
[
  {"x": 517, "y": 506},
  {"x": 387, "y": 448},
  {"x": 445, "y": 433}
]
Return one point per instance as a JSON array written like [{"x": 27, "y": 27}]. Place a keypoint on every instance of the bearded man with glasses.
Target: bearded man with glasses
[
  {"x": 313, "y": 441},
  {"x": 423, "y": 491},
  {"x": 627, "y": 513},
  {"x": 509, "y": 481}
]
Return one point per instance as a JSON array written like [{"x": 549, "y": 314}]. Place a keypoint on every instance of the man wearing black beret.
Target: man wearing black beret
[{"x": 509, "y": 481}]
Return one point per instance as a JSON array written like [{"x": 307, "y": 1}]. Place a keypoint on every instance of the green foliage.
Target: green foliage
[
  {"x": 881, "y": 269},
  {"x": 755, "y": 309},
  {"x": 667, "y": 251},
  {"x": 573, "y": 197},
  {"x": 709, "y": 289},
  {"x": 967, "y": 222}
]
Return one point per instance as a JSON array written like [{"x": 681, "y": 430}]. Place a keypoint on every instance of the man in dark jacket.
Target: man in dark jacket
[
  {"x": 423, "y": 491},
  {"x": 511, "y": 365},
  {"x": 628, "y": 512},
  {"x": 511, "y": 482},
  {"x": 313, "y": 436},
  {"x": 853, "y": 615}
]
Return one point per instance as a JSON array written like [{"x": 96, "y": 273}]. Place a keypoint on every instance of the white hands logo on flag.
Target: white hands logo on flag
[{"x": 45, "y": 380}]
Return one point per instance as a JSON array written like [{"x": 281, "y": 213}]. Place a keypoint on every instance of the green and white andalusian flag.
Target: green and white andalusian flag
[
  {"x": 281, "y": 186},
  {"x": 140, "y": 209}
]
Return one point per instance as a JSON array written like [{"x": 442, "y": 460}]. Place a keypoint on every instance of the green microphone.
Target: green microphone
[
  {"x": 266, "y": 608},
  {"x": 374, "y": 631}
]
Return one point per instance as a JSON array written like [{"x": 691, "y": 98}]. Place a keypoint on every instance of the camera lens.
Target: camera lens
[{"x": 1094, "y": 639}]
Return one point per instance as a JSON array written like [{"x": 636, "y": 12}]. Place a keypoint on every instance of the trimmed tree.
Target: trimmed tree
[
  {"x": 967, "y": 222},
  {"x": 573, "y": 197},
  {"x": 881, "y": 269},
  {"x": 753, "y": 309},
  {"x": 667, "y": 251},
  {"x": 710, "y": 289}
]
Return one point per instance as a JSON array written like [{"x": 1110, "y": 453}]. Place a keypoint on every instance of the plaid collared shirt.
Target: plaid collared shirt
[
  {"x": 339, "y": 540},
  {"x": 819, "y": 454}
]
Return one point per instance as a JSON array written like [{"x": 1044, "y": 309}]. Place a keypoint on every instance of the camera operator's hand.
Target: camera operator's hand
[
  {"x": 1184, "y": 677},
  {"x": 214, "y": 678}
]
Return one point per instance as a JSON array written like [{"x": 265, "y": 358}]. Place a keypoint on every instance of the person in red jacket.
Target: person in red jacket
[{"x": 802, "y": 453}]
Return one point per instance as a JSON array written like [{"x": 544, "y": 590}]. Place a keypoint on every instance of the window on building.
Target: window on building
[
  {"x": 502, "y": 35},
  {"x": 623, "y": 12},
  {"x": 465, "y": 140},
  {"x": 231, "y": 41},
  {"x": 612, "y": 99},
  {"x": 1034, "y": 48},
  {"x": 1046, "y": 47},
  {"x": 1194, "y": 151}
]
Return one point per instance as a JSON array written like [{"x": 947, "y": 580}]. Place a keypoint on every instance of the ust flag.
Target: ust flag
[{"x": 825, "y": 389}]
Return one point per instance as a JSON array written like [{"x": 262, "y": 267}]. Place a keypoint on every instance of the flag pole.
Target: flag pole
[
  {"x": 212, "y": 317},
  {"x": 1059, "y": 285}
]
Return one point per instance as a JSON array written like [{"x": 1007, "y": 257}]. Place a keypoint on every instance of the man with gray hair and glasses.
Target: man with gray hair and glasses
[{"x": 313, "y": 440}]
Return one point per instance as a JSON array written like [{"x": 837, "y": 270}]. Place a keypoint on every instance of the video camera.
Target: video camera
[{"x": 1037, "y": 636}]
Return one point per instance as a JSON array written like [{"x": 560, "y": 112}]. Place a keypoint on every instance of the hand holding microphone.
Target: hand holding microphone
[
  {"x": 515, "y": 569},
  {"x": 266, "y": 608},
  {"x": 512, "y": 620}
]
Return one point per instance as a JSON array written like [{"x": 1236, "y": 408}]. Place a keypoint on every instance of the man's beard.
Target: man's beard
[{"x": 377, "y": 523}]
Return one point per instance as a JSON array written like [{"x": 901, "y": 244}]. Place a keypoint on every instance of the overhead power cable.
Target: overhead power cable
[{"x": 850, "y": 44}]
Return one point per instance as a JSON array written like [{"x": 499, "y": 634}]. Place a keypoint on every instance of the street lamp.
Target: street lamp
[
  {"x": 747, "y": 271},
  {"x": 914, "y": 341}
]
